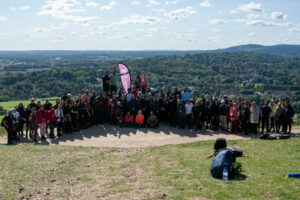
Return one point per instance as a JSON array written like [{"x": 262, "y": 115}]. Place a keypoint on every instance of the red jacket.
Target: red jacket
[
  {"x": 42, "y": 119},
  {"x": 51, "y": 116},
  {"x": 129, "y": 119}
]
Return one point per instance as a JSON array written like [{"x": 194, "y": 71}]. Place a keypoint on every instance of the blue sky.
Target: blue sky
[{"x": 147, "y": 24}]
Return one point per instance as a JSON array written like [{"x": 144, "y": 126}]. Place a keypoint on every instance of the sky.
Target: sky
[{"x": 146, "y": 24}]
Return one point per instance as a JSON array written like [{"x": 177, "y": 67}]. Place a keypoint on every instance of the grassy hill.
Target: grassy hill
[
  {"x": 282, "y": 49},
  {"x": 168, "y": 172}
]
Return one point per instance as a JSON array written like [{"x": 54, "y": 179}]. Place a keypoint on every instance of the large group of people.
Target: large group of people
[{"x": 142, "y": 107}]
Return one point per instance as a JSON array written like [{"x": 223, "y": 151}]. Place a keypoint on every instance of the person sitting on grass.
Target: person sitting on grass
[
  {"x": 152, "y": 121},
  {"x": 120, "y": 119},
  {"x": 129, "y": 120},
  {"x": 139, "y": 119}
]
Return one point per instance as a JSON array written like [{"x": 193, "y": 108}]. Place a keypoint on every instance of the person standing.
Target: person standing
[
  {"x": 181, "y": 114},
  {"x": 106, "y": 83},
  {"x": 188, "y": 113},
  {"x": 42, "y": 118},
  {"x": 272, "y": 118},
  {"x": 223, "y": 113},
  {"x": 137, "y": 81},
  {"x": 8, "y": 124},
  {"x": 59, "y": 113},
  {"x": 278, "y": 115},
  {"x": 34, "y": 122},
  {"x": 234, "y": 117},
  {"x": 144, "y": 83},
  {"x": 52, "y": 121},
  {"x": 113, "y": 78},
  {"x": 185, "y": 95},
  {"x": 265, "y": 115},
  {"x": 288, "y": 114},
  {"x": 22, "y": 118},
  {"x": 254, "y": 117},
  {"x": 244, "y": 118}
]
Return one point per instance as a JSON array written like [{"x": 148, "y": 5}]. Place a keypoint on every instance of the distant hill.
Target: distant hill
[
  {"x": 94, "y": 55},
  {"x": 281, "y": 49}
]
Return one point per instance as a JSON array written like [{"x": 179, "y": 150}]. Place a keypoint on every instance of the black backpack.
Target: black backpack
[{"x": 284, "y": 136}]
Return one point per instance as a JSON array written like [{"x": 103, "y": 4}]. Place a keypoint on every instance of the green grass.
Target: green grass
[{"x": 169, "y": 172}]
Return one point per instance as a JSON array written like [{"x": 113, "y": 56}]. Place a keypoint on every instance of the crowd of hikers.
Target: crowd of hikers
[{"x": 143, "y": 107}]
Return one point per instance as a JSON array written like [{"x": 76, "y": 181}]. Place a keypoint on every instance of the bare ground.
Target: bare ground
[{"x": 112, "y": 136}]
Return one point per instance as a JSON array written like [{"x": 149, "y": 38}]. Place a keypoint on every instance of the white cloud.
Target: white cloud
[
  {"x": 171, "y": 2},
  {"x": 109, "y": 6},
  {"x": 2, "y": 18},
  {"x": 251, "y": 34},
  {"x": 137, "y": 19},
  {"x": 215, "y": 30},
  {"x": 62, "y": 9},
  {"x": 294, "y": 30},
  {"x": 159, "y": 10},
  {"x": 217, "y": 21},
  {"x": 4, "y": 35},
  {"x": 135, "y": 2},
  {"x": 257, "y": 7},
  {"x": 251, "y": 16},
  {"x": 152, "y": 3},
  {"x": 25, "y": 7},
  {"x": 58, "y": 8},
  {"x": 12, "y": 9},
  {"x": 205, "y": 3},
  {"x": 278, "y": 15},
  {"x": 179, "y": 13},
  {"x": 260, "y": 22},
  {"x": 58, "y": 39},
  {"x": 92, "y": 4}
]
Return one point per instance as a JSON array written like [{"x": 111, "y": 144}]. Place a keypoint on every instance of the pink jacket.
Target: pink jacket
[{"x": 42, "y": 119}]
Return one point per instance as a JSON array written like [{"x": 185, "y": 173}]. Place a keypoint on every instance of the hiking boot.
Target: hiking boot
[{"x": 43, "y": 138}]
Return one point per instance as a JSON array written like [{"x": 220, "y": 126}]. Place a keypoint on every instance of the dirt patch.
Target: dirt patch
[{"x": 112, "y": 136}]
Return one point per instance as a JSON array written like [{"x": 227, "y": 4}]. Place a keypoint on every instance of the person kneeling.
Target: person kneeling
[
  {"x": 139, "y": 119},
  {"x": 129, "y": 122},
  {"x": 152, "y": 121},
  {"x": 225, "y": 157}
]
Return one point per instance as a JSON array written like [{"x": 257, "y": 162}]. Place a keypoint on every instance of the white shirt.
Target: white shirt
[
  {"x": 59, "y": 114},
  {"x": 188, "y": 108},
  {"x": 16, "y": 116}
]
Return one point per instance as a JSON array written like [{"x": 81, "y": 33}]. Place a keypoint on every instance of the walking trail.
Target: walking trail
[{"x": 112, "y": 136}]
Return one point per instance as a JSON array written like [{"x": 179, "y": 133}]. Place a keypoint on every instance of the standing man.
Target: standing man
[
  {"x": 113, "y": 78},
  {"x": 265, "y": 115},
  {"x": 8, "y": 123},
  {"x": 272, "y": 118},
  {"x": 185, "y": 95},
  {"x": 288, "y": 114},
  {"x": 106, "y": 83}
]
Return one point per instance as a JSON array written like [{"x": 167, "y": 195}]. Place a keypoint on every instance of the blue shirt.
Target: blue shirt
[
  {"x": 128, "y": 97},
  {"x": 185, "y": 96}
]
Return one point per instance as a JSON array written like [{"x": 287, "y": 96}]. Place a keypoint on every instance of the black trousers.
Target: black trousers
[
  {"x": 52, "y": 127},
  {"x": 188, "y": 119},
  {"x": 264, "y": 122},
  {"x": 59, "y": 128},
  {"x": 10, "y": 135},
  {"x": 287, "y": 123},
  {"x": 272, "y": 128}
]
